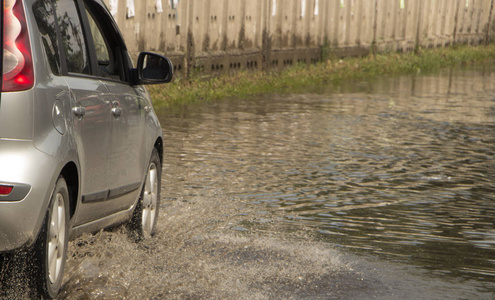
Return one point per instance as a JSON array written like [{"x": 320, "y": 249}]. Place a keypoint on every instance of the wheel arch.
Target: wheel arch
[
  {"x": 71, "y": 176},
  {"x": 159, "y": 147}
]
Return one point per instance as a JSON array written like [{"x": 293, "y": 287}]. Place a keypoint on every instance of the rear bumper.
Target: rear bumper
[{"x": 31, "y": 173}]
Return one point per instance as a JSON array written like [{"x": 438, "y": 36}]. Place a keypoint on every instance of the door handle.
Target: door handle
[
  {"x": 79, "y": 111},
  {"x": 117, "y": 112}
]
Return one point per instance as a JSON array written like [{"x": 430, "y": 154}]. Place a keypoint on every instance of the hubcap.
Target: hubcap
[
  {"x": 150, "y": 197},
  {"x": 56, "y": 236}
]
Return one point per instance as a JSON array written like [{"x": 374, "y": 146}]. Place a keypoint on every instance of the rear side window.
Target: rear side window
[
  {"x": 45, "y": 19},
  {"x": 73, "y": 41}
]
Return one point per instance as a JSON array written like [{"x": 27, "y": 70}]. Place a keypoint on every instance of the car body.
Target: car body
[{"x": 79, "y": 139}]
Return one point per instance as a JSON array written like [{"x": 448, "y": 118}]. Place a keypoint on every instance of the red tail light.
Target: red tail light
[
  {"x": 5, "y": 190},
  {"x": 17, "y": 61}
]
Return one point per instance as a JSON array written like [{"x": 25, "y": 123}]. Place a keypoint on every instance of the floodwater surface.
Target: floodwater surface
[
  {"x": 378, "y": 189},
  {"x": 398, "y": 169}
]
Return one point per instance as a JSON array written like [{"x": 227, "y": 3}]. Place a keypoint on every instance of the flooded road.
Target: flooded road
[{"x": 381, "y": 189}]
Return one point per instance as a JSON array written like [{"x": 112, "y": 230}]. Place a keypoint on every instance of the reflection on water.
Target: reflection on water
[{"x": 399, "y": 167}]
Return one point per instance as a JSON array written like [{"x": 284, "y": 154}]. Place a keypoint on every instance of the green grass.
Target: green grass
[{"x": 248, "y": 83}]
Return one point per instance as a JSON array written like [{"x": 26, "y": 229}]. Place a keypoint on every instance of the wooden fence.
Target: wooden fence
[{"x": 216, "y": 36}]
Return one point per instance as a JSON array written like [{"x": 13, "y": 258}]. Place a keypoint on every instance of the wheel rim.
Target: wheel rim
[
  {"x": 150, "y": 197},
  {"x": 56, "y": 238}
]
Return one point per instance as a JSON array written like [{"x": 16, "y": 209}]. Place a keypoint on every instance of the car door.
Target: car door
[
  {"x": 127, "y": 140},
  {"x": 92, "y": 107}
]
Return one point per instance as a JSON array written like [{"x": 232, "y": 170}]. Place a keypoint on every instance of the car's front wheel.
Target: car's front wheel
[
  {"x": 51, "y": 247},
  {"x": 145, "y": 215}
]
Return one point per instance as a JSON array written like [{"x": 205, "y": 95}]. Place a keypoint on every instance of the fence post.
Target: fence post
[
  {"x": 190, "y": 51},
  {"x": 417, "y": 45},
  {"x": 266, "y": 39},
  {"x": 456, "y": 20},
  {"x": 489, "y": 25},
  {"x": 375, "y": 25}
]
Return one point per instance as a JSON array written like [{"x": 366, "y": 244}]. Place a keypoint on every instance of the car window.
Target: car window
[
  {"x": 45, "y": 19},
  {"x": 105, "y": 64},
  {"x": 73, "y": 40},
  {"x": 107, "y": 46}
]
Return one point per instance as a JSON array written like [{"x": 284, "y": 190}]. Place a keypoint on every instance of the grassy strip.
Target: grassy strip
[{"x": 188, "y": 90}]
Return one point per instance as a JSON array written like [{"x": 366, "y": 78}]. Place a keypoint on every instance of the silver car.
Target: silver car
[{"x": 80, "y": 144}]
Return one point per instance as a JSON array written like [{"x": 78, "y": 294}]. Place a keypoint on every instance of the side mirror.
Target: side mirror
[{"x": 153, "y": 69}]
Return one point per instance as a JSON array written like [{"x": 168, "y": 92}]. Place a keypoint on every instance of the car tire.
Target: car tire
[
  {"x": 145, "y": 215},
  {"x": 50, "y": 250}
]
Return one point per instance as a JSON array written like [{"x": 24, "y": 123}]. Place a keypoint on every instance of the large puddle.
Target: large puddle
[
  {"x": 399, "y": 169},
  {"x": 381, "y": 189}
]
